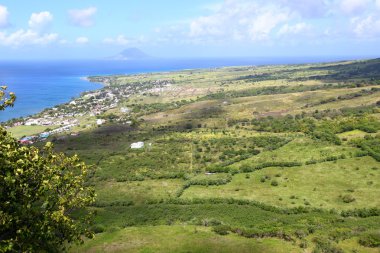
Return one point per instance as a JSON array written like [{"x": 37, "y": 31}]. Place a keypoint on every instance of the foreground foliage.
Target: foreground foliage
[{"x": 40, "y": 191}]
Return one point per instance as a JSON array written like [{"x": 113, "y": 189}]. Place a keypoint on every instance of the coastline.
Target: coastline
[
  {"x": 55, "y": 81},
  {"x": 83, "y": 111}
]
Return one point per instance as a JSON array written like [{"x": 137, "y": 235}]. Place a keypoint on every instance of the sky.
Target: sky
[{"x": 94, "y": 29}]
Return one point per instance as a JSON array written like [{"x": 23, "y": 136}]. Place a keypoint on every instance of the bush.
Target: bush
[
  {"x": 326, "y": 135},
  {"x": 370, "y": 239},
  {"x": 348, "y": 198},
  {"x": 246, "y": 168},
  {"x": 274, "y": 183},
  {"x": 303, "y": 244},
  {"x": 222, "y": 229},
  {"x": 362, "y": 213},
  {"x": 98, "y": 228},
  {"x": 324, "y": 245}
]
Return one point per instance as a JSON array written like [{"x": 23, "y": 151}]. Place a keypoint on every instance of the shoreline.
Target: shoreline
[
  {"x": 89, "y": 105},
  {"x": 135, "y": 68},
  {"x": 105, "y": 82}
]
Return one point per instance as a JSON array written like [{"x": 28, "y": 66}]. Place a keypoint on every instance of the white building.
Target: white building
[
  {"x": 32, "y": 122},
  {"x": 137, "y": 145},
  {"x": 124, "y": 110},
  {"x": 100, "y": 122}
]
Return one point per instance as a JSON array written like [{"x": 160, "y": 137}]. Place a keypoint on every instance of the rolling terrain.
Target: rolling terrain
[{"x": 240, "y": 159}]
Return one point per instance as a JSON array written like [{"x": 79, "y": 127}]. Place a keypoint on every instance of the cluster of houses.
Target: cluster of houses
[
  {"x": 91, "y": 104},
  {"x": 47, "y": 120},
  {"x": 28, "y": 140}
]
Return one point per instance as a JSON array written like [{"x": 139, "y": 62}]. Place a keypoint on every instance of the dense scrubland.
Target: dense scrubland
[{"x": 242, "y": 159}]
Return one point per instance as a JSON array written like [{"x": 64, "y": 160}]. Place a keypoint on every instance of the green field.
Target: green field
[
  {"x": 321, "y": 185},
  {"x": 21, "y": 131},
  {"x": 242, "y": 159},
  {"x": 180, "y": 239}
]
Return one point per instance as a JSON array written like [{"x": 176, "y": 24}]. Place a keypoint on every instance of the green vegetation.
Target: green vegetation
[
  {"x": 259, "y": 159},
  {"x": 20, "y": 131},
  {"x": 42, "y": 196},
  {"x": 180, "y": 239}
]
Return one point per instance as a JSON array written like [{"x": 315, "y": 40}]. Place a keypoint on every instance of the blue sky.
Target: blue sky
[{"x": 42, "y": 29}]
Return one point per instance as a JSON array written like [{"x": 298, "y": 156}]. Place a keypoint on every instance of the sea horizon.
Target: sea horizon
[{"x": 41, "y": 84}]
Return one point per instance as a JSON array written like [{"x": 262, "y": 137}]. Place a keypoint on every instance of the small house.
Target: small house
[
  {"x": 100, "y": 122},
  {"x": 137, "y": 145},
  {"x": 44, "y": 135}
]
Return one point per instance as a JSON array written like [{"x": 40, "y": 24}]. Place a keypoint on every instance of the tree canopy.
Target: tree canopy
[{"x": 42, "y": 195}]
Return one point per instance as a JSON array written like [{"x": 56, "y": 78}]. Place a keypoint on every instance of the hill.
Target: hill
[{"x": 239, "y": 159}]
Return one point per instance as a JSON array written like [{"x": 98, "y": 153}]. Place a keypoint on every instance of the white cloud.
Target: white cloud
[
  {"x": 355, "y": 7},
  {"x": 26, "y": 37},
  {"x": 378, "y": 4},
  {"x": 368, "y": 27},
  {"x": 307, "y": 8},
  {"x": 82, "y": 40},
  {"x": 3, "y": 16},
  {"x": 120, "y": 40},
  {"x": 82, "y": 17},
  {"x": 300, "y": 28},
  {"x": 240, "y": 19},
  {"x": 40, "y": 21},
  {"x": 261, "y": 27},
  {"x": 35, "y": 35}
]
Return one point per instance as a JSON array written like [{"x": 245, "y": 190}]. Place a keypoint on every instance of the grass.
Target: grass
[
  {"x": 301, "y": 149},
  {"x": 136, "y": 191},
  {"x": 352, "y": 245},
  {"x": 146, "y": 197},
  {"x": 319, "y": 185},
  {"x": 180, "y": 239},
  {"x": 20, "y": 131},
  {"x": 352, "y": 135}
]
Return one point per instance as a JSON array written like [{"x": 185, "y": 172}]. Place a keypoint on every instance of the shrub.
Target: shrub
[
  {"x": 274, "y": 183},
  {"x": 348, "y": 198},
  {"x": 370, "y": 239},
  {"x": 246, "y": 168},
  {"x": 362, "y": 213},
  {"x": 303, "y": 244},
  {"x": 98, "y": 228},
  {"x": 222, "y": 229},
  {"x": 324, "y": 245}
]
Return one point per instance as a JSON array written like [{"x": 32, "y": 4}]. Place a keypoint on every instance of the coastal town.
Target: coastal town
[{"x": 89, "y": 110}]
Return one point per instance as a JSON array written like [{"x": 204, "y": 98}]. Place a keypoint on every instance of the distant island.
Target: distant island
[{"x": 130, "y": 54}]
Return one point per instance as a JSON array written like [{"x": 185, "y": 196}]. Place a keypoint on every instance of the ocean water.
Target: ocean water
[{"x": 43, "y": 84}]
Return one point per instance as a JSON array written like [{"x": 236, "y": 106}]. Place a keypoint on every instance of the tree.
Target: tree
[
  {"x": 42, "y": 195},
  {"x": 6, "y": 100}
]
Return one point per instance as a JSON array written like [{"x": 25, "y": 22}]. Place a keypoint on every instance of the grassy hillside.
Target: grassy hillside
[{"x": 242, "y": 159}]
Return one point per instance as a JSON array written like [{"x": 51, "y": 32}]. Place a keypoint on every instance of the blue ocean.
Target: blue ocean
[{"x": 43, "y": 84}]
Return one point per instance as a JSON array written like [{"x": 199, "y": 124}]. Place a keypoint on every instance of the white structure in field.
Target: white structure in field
[
  {"x": 137, "y": 145},
  {"x": 31, "y": 122},
  {"x": 100, "y": 122},
  {"x": 125, "y": 110}
]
